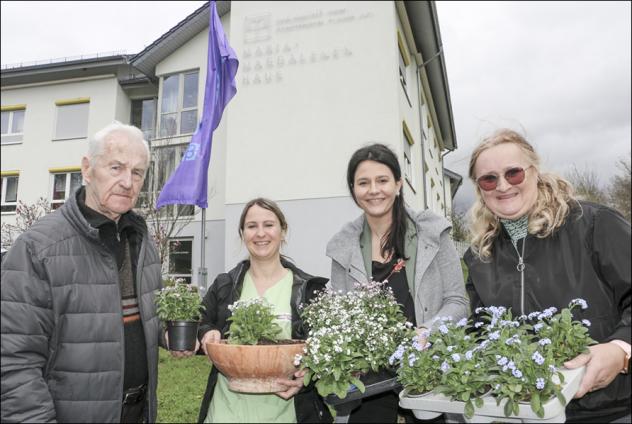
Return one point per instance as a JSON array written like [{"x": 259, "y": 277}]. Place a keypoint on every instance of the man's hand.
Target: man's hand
[
  {"x": 603, "y": 364},
  {"x": 292, "y": 387},
  {"x": 182, "y": 353}
]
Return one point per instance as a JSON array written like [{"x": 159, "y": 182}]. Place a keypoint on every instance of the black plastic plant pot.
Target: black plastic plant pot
[
  {"x": 182, "y": 335},
  {"x": 374, "y": 383}
]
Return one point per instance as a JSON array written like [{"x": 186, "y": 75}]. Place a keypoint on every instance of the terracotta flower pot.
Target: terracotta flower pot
[{"x": 253, "y": 369}]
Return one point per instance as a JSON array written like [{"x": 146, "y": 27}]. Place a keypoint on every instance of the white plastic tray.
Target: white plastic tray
[{"x": 433, "y": 404}]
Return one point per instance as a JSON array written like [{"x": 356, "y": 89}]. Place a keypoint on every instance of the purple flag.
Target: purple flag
[{"x": 188, "y": 183}]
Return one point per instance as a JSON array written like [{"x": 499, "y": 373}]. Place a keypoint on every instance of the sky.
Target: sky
[{"x": 558, "y": 72}]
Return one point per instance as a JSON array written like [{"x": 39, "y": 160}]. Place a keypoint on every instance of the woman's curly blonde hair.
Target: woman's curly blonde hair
[{"x": 553, "y": 202}]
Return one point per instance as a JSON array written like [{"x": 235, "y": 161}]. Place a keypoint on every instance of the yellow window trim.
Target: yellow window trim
[
  {"x": 8, "y": 108},
  {"x": 409, "y": 136},
  {"x": 64, "y": 169},
  {"x": 9, "y": 173},
  {"x": 75, "y": 101},
  {"x": 403, "y": 49}
]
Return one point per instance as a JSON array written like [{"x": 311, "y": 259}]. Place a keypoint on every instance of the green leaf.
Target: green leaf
[
  {"x": 561, "y": 397},
  {"x": 469, "y": 409},
  {"x": 308, "y": 377},
  {"x": 478, "y": 402},
  {"x": 358, "y": 383},
  {"x": 508, "y": 407},
  {"x": 536, "y": 405},
  {"x": 516, "y": 408}
]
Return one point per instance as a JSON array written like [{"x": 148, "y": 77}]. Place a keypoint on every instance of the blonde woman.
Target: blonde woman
[{"x": 534, "y": 246}]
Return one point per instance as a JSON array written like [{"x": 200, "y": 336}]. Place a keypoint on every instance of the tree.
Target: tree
[
  {"x": 25, "y": 216},
  {"x": 459, "y": 226},
  {"x": 167, "y": 222},
  {"x": 586, "y": 185},
  {"x": 620, "y": 186}
]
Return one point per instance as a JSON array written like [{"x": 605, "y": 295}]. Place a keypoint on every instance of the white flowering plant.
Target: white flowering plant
[
  {"x": 350, "y": 334},
  {"x": 178, "y": 302},
  {"x": 252, "y": 321}
]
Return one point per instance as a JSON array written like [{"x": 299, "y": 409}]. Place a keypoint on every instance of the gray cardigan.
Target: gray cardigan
[{"x": 437, "y": 285}]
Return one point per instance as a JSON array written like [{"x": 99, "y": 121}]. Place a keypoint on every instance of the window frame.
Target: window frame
[
  {"x": 71, "y": 102},
  {"x": 404, "y": 62},
  {"x": 152, "y": 131},
  {"x": 152, "y": 186},
  {"x": 179, "y": 107},
  {"x": 407, "y": 143},
  {"x": 3, "y": 193},
  {"x": 57, "y": 203},
  {"x": 179, "y": 275},
  {"x": 13, "y": 137}
]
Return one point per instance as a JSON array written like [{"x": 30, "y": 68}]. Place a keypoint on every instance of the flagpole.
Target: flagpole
[{"x": 202, "y": 268}]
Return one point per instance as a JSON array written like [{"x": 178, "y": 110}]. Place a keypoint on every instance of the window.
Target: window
[
  {"x": 64, "y": 185},
  {"x": 180, "y": 254},
  {"x": 72, "y": 118},
  {"x": 12, "y": 123},
  {"x": 162, "y": 165},
  {"x": 404, "y": 61},
  {"x": 9, "y": 190},
  {"x": 408, "y": 168},
  {"x": 178, "y": 106},
  {"x": 144, "y": 116}
]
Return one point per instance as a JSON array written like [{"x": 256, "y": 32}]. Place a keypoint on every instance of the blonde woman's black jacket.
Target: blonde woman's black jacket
[
  {"x": 588, "y": 257},
  {"x": 226, "y": 290}
]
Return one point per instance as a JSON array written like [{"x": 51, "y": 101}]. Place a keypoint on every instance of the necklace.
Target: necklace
[{"x": 520, "y": 268}]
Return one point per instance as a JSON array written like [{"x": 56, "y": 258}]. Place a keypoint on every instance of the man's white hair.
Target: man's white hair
[{"x": 96, "y": 142}]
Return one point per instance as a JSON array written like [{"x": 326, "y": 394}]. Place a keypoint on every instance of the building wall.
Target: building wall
[
  {"x": 316, "y": 81},
  {"x": 38, "y": 152},
  {"x": 410, "y": 106}
]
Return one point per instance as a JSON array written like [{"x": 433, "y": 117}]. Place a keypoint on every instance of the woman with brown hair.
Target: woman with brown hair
[
  {"x": 534, "y": 245},
  {"x": 266, "y": 274}
]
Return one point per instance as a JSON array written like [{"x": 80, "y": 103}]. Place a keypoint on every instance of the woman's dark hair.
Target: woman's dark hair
[
  {"x": 265, "y": 204},
  {"x": 394, "y": 240}
]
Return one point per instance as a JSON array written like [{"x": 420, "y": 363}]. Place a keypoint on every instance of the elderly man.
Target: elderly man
[{"x": 80, "y": 333}]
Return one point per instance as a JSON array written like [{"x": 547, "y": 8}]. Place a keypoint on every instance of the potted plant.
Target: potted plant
[
  {"x": 463, "y": 377},
  {"x": 520, "y": 359},
  {"x": 252, "y": 357},
  {"x": 178, "y": 306},
  {"x": 349, "y": 335},
  {"x": 418, "y": 369}
]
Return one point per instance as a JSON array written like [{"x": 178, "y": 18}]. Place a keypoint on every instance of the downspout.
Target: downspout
[{"x": 423, "y": 153}]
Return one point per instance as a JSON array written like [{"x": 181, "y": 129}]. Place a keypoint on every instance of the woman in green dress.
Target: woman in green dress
[{"x": 265, "y": 274}]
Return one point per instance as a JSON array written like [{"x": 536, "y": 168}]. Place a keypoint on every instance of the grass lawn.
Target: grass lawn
[{"x": 181, "y": 385}]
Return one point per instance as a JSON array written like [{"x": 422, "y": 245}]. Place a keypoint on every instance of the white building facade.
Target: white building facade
[{"x": 316, "y": 81}]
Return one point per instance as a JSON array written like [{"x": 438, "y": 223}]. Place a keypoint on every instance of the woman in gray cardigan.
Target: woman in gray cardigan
[{"x": 374, "y": 246}]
